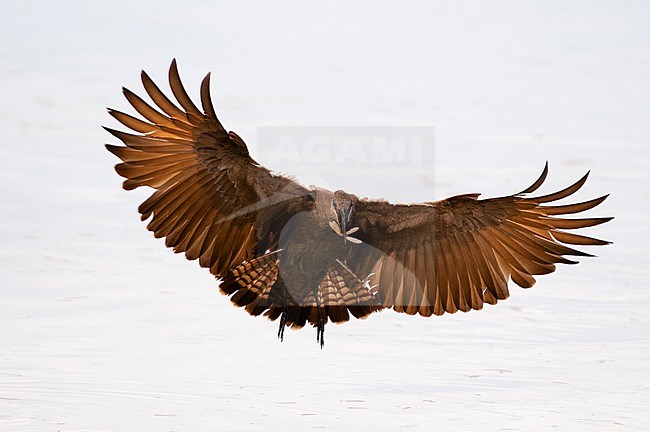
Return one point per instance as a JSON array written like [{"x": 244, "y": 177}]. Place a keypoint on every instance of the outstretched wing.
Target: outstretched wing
[
  {"x": 212, "y": 201},
  {"x": 460, "y": 252}
]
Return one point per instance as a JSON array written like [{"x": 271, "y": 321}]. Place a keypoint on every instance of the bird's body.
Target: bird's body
[
  {"x": 311, "y": 282},
  {"x": 310, "y": 255},
  {"x": 309, "y": 264}
]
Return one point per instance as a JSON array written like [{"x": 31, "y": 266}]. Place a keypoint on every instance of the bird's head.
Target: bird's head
[{"x": 343, "y": 206}]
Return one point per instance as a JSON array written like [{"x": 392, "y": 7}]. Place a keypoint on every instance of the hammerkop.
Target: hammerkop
[{"x": 310, "y": 255}]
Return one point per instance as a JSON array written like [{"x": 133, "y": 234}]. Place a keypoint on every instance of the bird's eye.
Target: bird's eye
[{"x": 334, "y": 204}]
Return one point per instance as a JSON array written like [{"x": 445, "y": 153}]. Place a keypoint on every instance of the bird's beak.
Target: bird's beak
[{"x": 343, "y": 219}]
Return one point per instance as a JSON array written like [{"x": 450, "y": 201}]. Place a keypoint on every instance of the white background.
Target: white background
[{"x": 104, "y": 329}]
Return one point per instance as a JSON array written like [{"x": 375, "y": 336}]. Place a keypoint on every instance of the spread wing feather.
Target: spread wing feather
[
  {"x": 459, "y": 253},
  {"x": 212, "y": 201}
]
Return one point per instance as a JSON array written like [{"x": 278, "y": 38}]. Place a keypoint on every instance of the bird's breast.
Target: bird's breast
[{"x": 309, "y": 247}]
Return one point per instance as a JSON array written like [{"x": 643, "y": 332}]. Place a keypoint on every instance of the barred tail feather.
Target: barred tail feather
[
  {"x": 257, "y": 286},
  {"x": 357, "y": 295},
  {"x": 251, "y": 283}
]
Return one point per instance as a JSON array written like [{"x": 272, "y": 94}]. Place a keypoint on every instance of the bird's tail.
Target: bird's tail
[
  {"x": 251, "y": 283},
  {"x": 340, "y": 294},
  {"x": 257, "y": 285}
]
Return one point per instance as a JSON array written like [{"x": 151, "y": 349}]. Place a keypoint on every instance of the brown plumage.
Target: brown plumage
[{"x": 313, "y": 255}]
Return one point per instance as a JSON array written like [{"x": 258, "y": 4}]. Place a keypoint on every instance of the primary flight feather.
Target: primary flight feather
[{"x": 310, "y": 255}]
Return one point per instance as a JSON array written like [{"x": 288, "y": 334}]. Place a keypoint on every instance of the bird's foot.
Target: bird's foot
[
  {"x": 320, "y": 333},
  {"x": 283, "y": 324}
]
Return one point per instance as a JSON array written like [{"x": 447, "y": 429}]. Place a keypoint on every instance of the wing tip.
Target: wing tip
[
  {"x": 128, "y": 94},
  {"x": 601, "y": 199},
  {"x": 205, "y": 83},
  {"x": 112, "y": 131},
  {"x": 537, "y": 183},
  {"x": 206, "y": 99},
  {"x": 113, "y": 112},
  {"x": 146, "y": 79},
  {"x": 568, "y": 191},
  {"x": 173, "y": 68},
  {"x": 115, "y": 150}
]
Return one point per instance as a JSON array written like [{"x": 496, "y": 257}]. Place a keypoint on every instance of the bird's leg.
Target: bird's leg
[
  {"x": 320, "y": 332},
  {"x": 283, "y": 317},
  {"x": 283, "y": 323}
]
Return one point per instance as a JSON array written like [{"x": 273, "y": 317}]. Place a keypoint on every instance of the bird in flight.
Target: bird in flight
[{"x": 311, "y": 255}]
